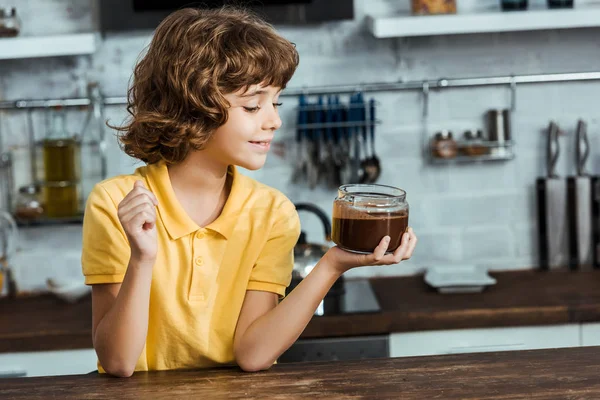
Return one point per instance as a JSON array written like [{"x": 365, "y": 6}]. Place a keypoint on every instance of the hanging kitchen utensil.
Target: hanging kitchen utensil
[
  {"x": 345, "y": 143},
  {"x": 312, "y": 151},
  {"x": 339, "y": 150},
  {"x": 322, "y": 148},
  {"x": 552, "y": 209},
  {"x": 375, "y": 170},
  {"x": 300, "y": 170},
  {"x": 333, "y": 173},
  {"x": 580, "y": 204},
  {"x": 354, "y": 119},
  {"x": 365, "y": 164}
]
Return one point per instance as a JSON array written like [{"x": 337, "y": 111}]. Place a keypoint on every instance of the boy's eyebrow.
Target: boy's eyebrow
[{"x": 255, "y": 92}]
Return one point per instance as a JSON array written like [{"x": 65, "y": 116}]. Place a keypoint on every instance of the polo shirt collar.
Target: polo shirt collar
[{"x": 176, "y": 221}]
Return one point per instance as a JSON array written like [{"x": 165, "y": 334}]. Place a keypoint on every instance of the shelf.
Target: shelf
[
  {"x": 497, "y": 152},
  {"x": 472, "y": 159},
  {"x": 45, "y": 221},
  {"x": 431, "y": 25},
  {"x": 48, "y": 46}
]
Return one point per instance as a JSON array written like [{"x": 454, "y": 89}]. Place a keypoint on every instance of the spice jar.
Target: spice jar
[
  {"x": 10, "y": 24},
  {"x": 429, "y": 7},
  {"x": 474, "y": 145},
  {"x": 443, "y": 145},
  {"x": 28, "y": 205},
  {"x": 364, "y": 214}
]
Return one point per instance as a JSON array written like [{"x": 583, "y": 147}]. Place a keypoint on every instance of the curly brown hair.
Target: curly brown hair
[{"x": 197, "y": 56}]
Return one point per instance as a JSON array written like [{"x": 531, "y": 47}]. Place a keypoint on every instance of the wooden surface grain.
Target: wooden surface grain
[{"x": 540, "y": 374}]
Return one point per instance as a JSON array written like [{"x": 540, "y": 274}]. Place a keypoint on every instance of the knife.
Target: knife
[
  {"x": 552, "y": 209},
  {"x": 580, "y": 204}
]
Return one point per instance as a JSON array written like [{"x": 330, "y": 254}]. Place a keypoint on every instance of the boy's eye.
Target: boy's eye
[
  {"x": 277, "y": 105},
  {"x": 252, "y": 109}
]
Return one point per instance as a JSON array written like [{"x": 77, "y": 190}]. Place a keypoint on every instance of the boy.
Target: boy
[{"x": 187, "y": 258}]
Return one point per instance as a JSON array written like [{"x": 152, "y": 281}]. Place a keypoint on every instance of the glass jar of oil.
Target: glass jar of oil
[{"x": 61, "y": 161}]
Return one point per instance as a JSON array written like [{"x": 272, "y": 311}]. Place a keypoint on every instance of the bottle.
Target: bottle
[
  {"x": 513, "y": 5},
  {"x": 61, "y": 156}
]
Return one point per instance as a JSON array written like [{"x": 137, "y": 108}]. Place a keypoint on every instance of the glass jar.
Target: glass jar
[
  {"x": 364, "y": 214},
  {"x": 431, "y": 7},
  {"x": 28, "y": 205},
  {"x": 10, "y": 24},
  {"x": 443, "y": 145}
]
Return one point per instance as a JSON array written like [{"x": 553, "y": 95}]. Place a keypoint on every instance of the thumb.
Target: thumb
[{"x": 139, "y": 184}]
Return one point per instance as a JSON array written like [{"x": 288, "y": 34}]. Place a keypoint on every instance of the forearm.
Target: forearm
[
  {"x": 273, "y": 333},
  {"x": 121, "y": 335}
]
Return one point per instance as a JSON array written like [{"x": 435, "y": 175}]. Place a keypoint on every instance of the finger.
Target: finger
[
  {"x": 381, "y": 248},
  {"x": 140, "y": 187},
  {"x": 143, "y": 220},
  {"x": 412, "y": 243},
  {"x": 399, "y": 253},
  {"x": 143, "y": 207},
  {"x": 133, "y": 201}
]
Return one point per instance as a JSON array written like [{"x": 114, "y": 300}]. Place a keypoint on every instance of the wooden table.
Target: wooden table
[{"x": 548, "y": 374}]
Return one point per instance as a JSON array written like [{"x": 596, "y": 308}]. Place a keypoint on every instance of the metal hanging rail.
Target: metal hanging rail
[{"x": 511, "y": 80}]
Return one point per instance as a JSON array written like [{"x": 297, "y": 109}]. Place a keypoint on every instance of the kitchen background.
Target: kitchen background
[{"x": 480, "y": 213}]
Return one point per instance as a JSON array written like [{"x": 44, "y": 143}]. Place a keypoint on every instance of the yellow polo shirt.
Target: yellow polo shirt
[{"x": 201, "y": 274}]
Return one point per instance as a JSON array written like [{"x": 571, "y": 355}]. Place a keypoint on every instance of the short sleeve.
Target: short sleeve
[
  {"x": 106, "y": 252},
  {"x": 273, "y": 269}
]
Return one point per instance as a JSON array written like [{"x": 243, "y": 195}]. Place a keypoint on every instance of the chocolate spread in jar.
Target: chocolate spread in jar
[{"x": 360, "y": 231}]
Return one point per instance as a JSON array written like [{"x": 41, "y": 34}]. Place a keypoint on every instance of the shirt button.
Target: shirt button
[
  {"x": 199, "y": 261},
  {"x": 200, "y": 235}
]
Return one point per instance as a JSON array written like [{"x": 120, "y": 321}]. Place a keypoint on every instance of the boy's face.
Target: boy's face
[{"x": 246, "y": 137}]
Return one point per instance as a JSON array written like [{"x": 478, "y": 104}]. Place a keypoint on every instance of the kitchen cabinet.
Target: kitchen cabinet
[
  {"x": 590, "y": 334},
  {"x": 483, "y": 340},
  {"x": 49, "y": 46},
  {"x": 406, "y": 25},
  {"x": 44, "y": 363}
]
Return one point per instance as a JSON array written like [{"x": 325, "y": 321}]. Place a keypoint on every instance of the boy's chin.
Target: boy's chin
[{"x": 252, "y": 165}]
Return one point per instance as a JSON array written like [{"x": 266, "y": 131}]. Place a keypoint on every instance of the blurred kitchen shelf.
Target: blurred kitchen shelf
[
  {"x": 48, "y": 46},
  {"x": 473, "y": 159},
  {"x": 45, "y": 221},
  {"x": 431, "y": 25}
]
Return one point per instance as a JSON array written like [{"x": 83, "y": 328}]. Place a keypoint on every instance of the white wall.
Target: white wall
[{"x": 481, "y": 213}]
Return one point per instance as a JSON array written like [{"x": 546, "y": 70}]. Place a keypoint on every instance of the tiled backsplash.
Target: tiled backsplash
[{"x": 480, "y": 213}]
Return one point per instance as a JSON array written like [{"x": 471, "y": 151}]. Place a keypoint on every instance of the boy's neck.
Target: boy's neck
[
  {"x": 201, "y": 186},
  {"x": 198, "y": 174}
]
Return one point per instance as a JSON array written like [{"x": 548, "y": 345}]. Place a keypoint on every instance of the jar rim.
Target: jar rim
[{"x": 365, "y": 189}]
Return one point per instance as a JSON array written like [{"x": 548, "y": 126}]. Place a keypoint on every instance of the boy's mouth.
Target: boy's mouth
[{"x": 263, "y": 145}]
